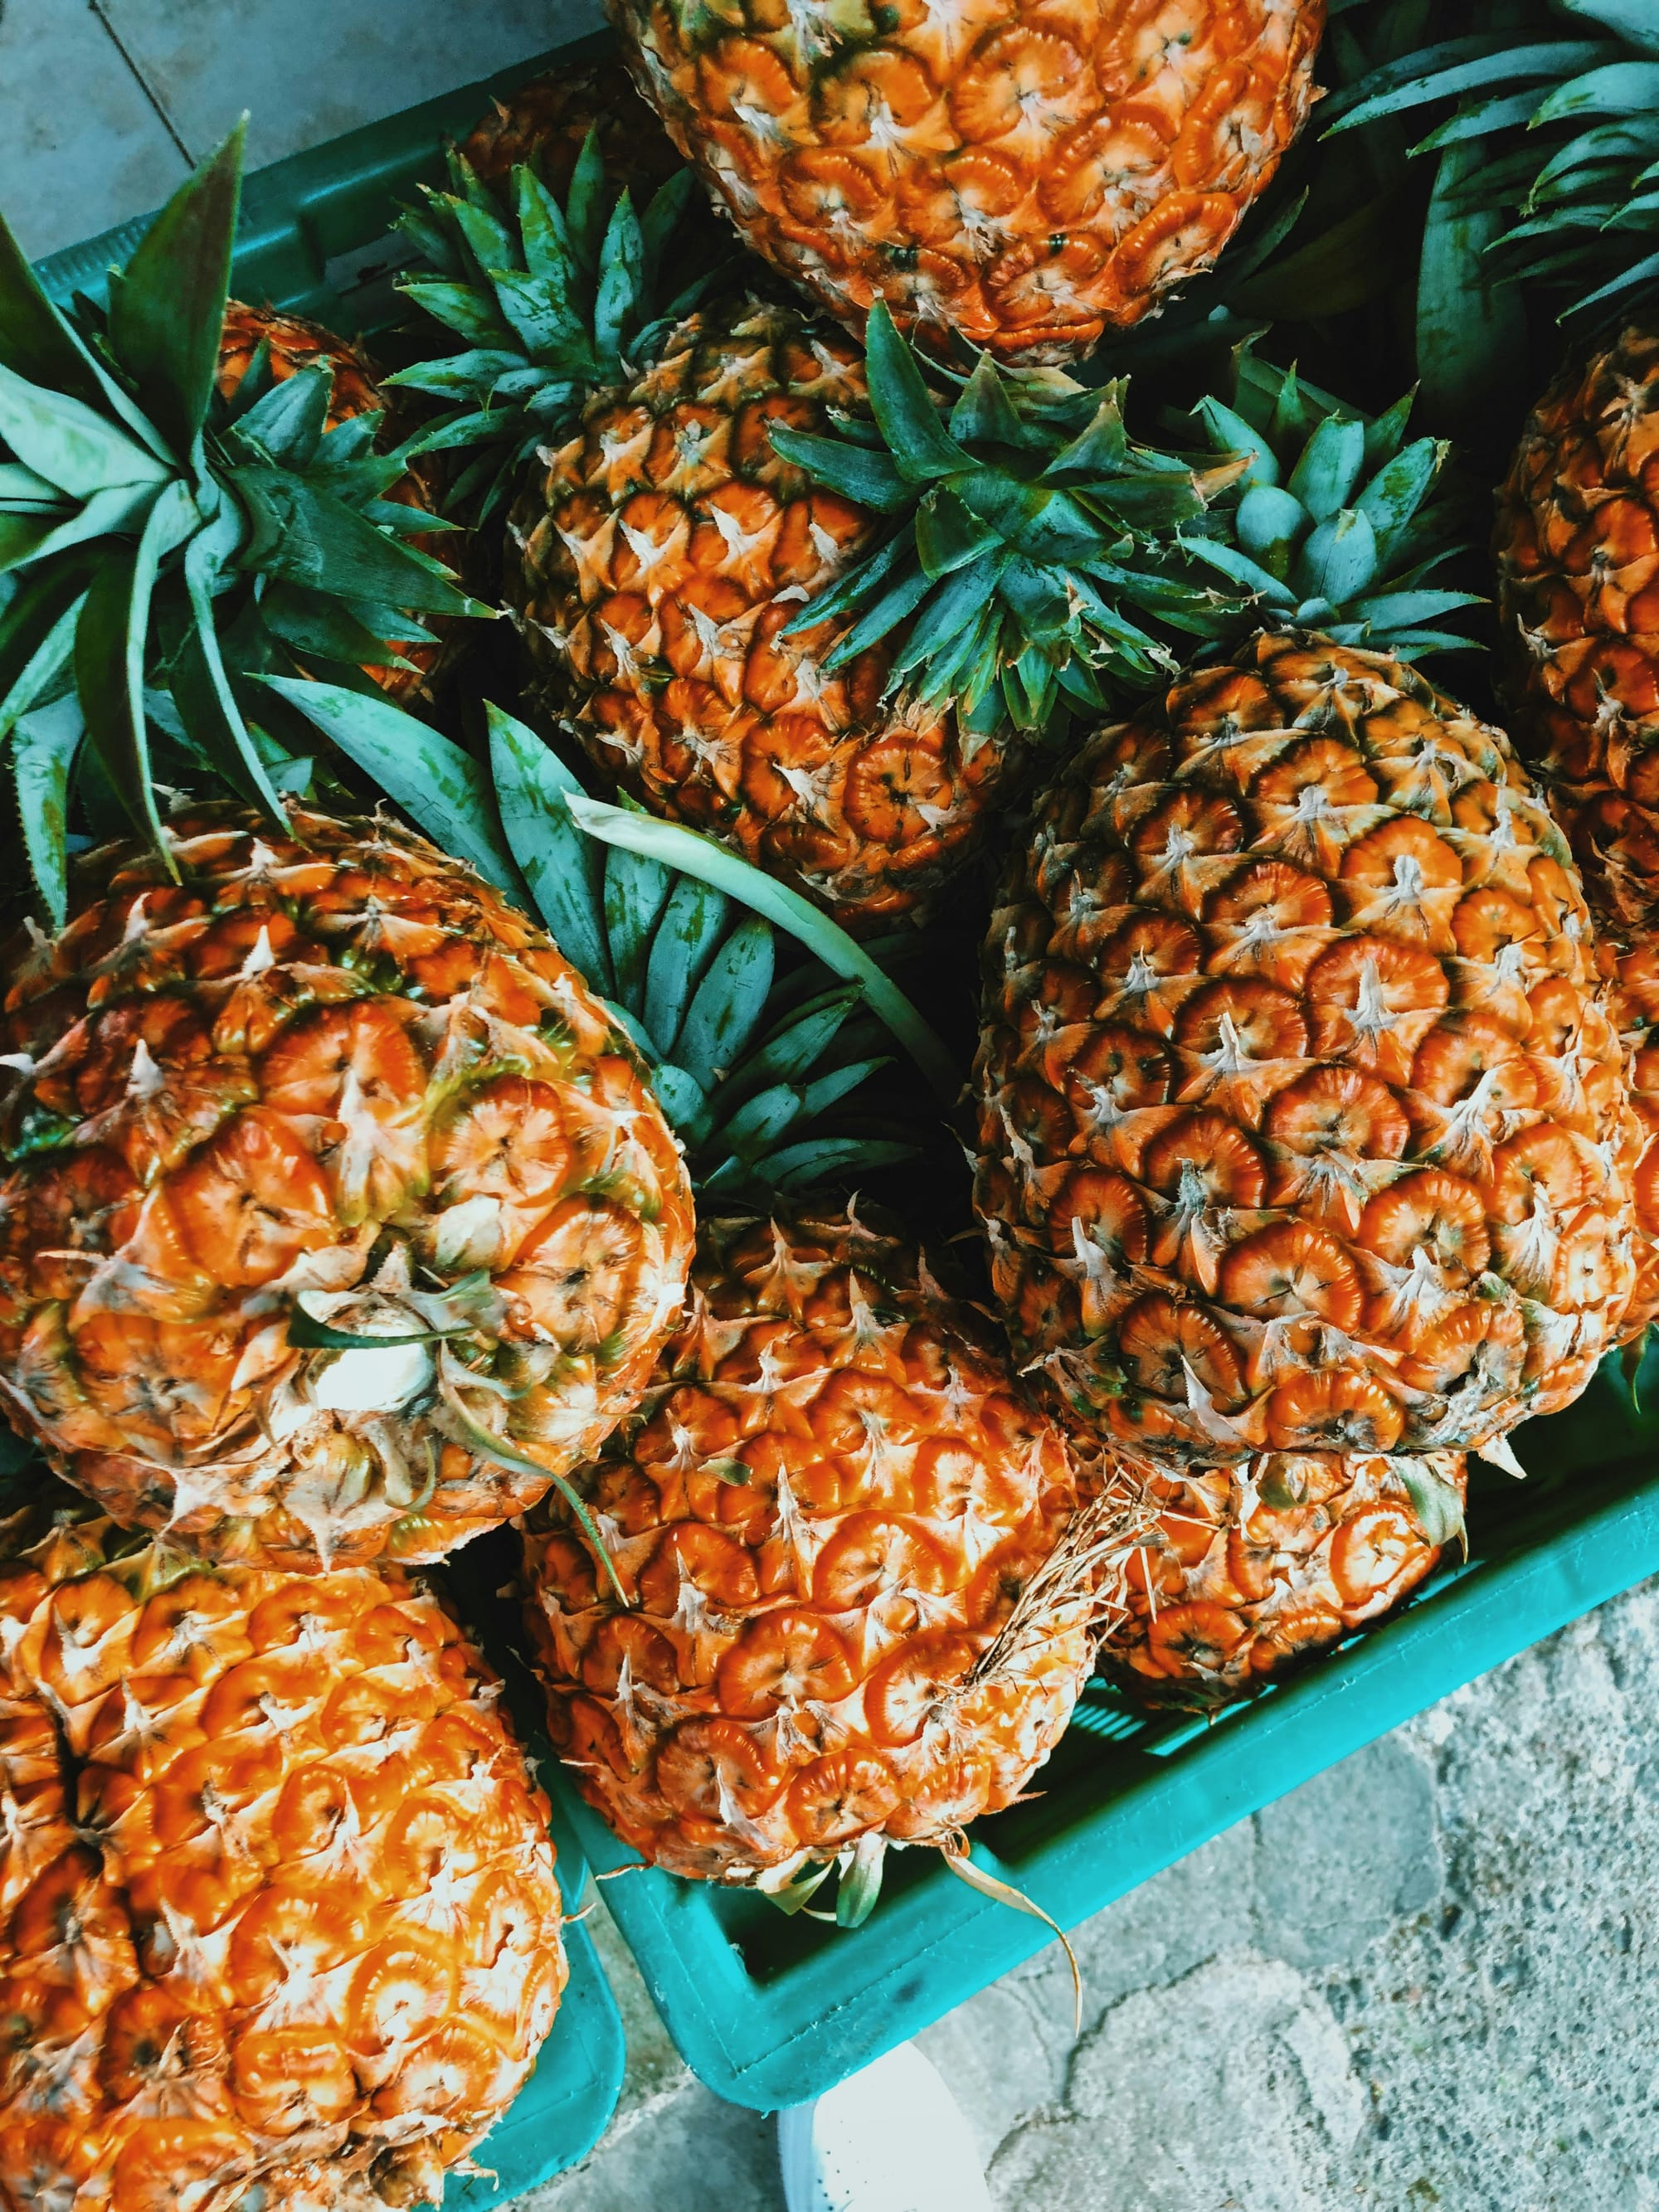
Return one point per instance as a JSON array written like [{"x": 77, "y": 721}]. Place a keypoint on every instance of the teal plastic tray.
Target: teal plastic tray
[
  {"x": 769, "y": 2010},
  {"x": 313, "y": 237}
]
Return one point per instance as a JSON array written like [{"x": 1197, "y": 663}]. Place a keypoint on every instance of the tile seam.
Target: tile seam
[{"x": 149, "y": 92}]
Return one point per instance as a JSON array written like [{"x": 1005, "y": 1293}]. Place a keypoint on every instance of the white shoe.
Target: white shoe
[{"x": 891, "y": 2139}]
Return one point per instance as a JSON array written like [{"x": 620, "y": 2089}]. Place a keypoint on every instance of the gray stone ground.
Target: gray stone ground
[
  {"x": 1425, "y": 1980},
  {"x": 1422, "y": 1981}
]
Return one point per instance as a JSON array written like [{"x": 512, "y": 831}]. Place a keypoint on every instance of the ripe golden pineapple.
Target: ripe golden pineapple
[
  {"x": 654, "y": 561},
  {"x": 546, "y": 122},
  {"x": 326, "y": 1082},
  {"x": 1247, "y": 1570},
  {"x": 279, "y": 1923},
  {"x": 1577, "y": 551},
  {"x": 860, "y": 1597},
  {"x": 294, "y": 345},
  {"x": 1024, "y": 173},
  {"x": 1302, "y": 1125},
  {"x": 1633, "y": 1002}
]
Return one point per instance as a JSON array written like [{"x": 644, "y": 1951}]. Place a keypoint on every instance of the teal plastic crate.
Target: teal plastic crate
[
  {"x": 769, "y": 2010},
  {"x": 314, "y": 233}
]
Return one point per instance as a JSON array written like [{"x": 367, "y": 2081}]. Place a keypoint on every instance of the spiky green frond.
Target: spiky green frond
[
  {"x": 1341, "y": 524},
  {"x": 1562, "y": 124},
  {"x": 549, "y": 303},
  {"x": 1034, "y": 551},
  {"x": 750, "y": 1065},
  {"x": 1040, "y": 556},
  {"x": 165, "y": 546}
]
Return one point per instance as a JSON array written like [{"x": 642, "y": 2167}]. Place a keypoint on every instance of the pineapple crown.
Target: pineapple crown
[
  {"x": 160, "y": 545},
  {"x": 1040, "y": 557},
  {"x": 1339, "y": 523},
  {"x": 677, "y": 935},
  {"x": 1551, "y": 145},
  {"x": 1031, "y": 540},
  {"x": 551, "y": 303}
]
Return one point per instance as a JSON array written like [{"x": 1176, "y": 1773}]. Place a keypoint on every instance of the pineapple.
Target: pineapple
[
  {"x": 1577, "y": 552},
  {"x": 859, "y": 1591},
  {"x": 293, "y": 345},
  {"x": 1026, "y": 176},
  {"x": 545, "y": 123},
  {"x": 279, "y": 1923},
  {"x": 1303, "y": 1126},
  {"x": 1557, "y": 134},
  {"x": 1634, "y": 1003},
  {"x": 1246, "y": 1570},
  {"x": 655, "y": 559},
  {"x": 341, "y": 1222},
  {"x": 832, "y": 650}
]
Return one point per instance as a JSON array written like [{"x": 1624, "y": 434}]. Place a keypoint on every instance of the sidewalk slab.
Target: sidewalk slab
[
  {"x": 81, "y": 146},
  {"x": 311, "y": 69}
]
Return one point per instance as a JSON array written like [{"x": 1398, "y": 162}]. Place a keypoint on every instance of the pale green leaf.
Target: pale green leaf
[{"x": 441, "y": 788}]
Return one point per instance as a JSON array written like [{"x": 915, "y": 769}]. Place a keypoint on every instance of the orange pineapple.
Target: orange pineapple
[
  {"x": 655, "y": 559},
  {"x": 279, "y": 1923},
  {"x": 1303, "y": 1126},
  {"x": 1577, "y": 551},
  {"x": 326, "y": 1088},
  {"x": 1025, "y": 173},
  {"x": 860, "y": 1590},
  {"x": 1247, "y": 1570}
]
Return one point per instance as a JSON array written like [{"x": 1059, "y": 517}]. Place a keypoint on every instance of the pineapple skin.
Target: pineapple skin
[
  {"x": 1247, "y": 1571},
  {"x": 296, "y": 344},
  {"x": 653, "y": 561},
  {"x": 546, "y": 121},
  {"x": 333, "y": 1063},
  {"x": 825, "y": 1511},
  {"x": 278, "y": 1909},
  {"x": 1024, "y": 173},
  {"x": 1303, "y": 1126},
  {"x": 1577, "y": 545}
]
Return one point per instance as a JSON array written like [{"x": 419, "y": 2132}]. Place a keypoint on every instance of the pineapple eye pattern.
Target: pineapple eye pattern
[
  {"x": 851, "y": 1549},
  {"x": 1386, "y": 1189},
  {"x": 280, "y": 1902},
  {"x": 340, "y": 1220},
  {"x": 1029, "y": 184}
]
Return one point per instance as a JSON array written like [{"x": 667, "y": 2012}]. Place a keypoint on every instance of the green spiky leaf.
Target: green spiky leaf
[
  {"x": 728, "y": 1002},
  {"x": 44, "y": 745},
  {"x": 692, "y": 922},
  {"x": 167, "y": 309},
  {"x": 441, "y": 787},
  {"x": 921, "y": 447},
  {"x": 636, "y": 890},
  {"x": 558, "y": 863},
  {"x": 670, "y": 845}
]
